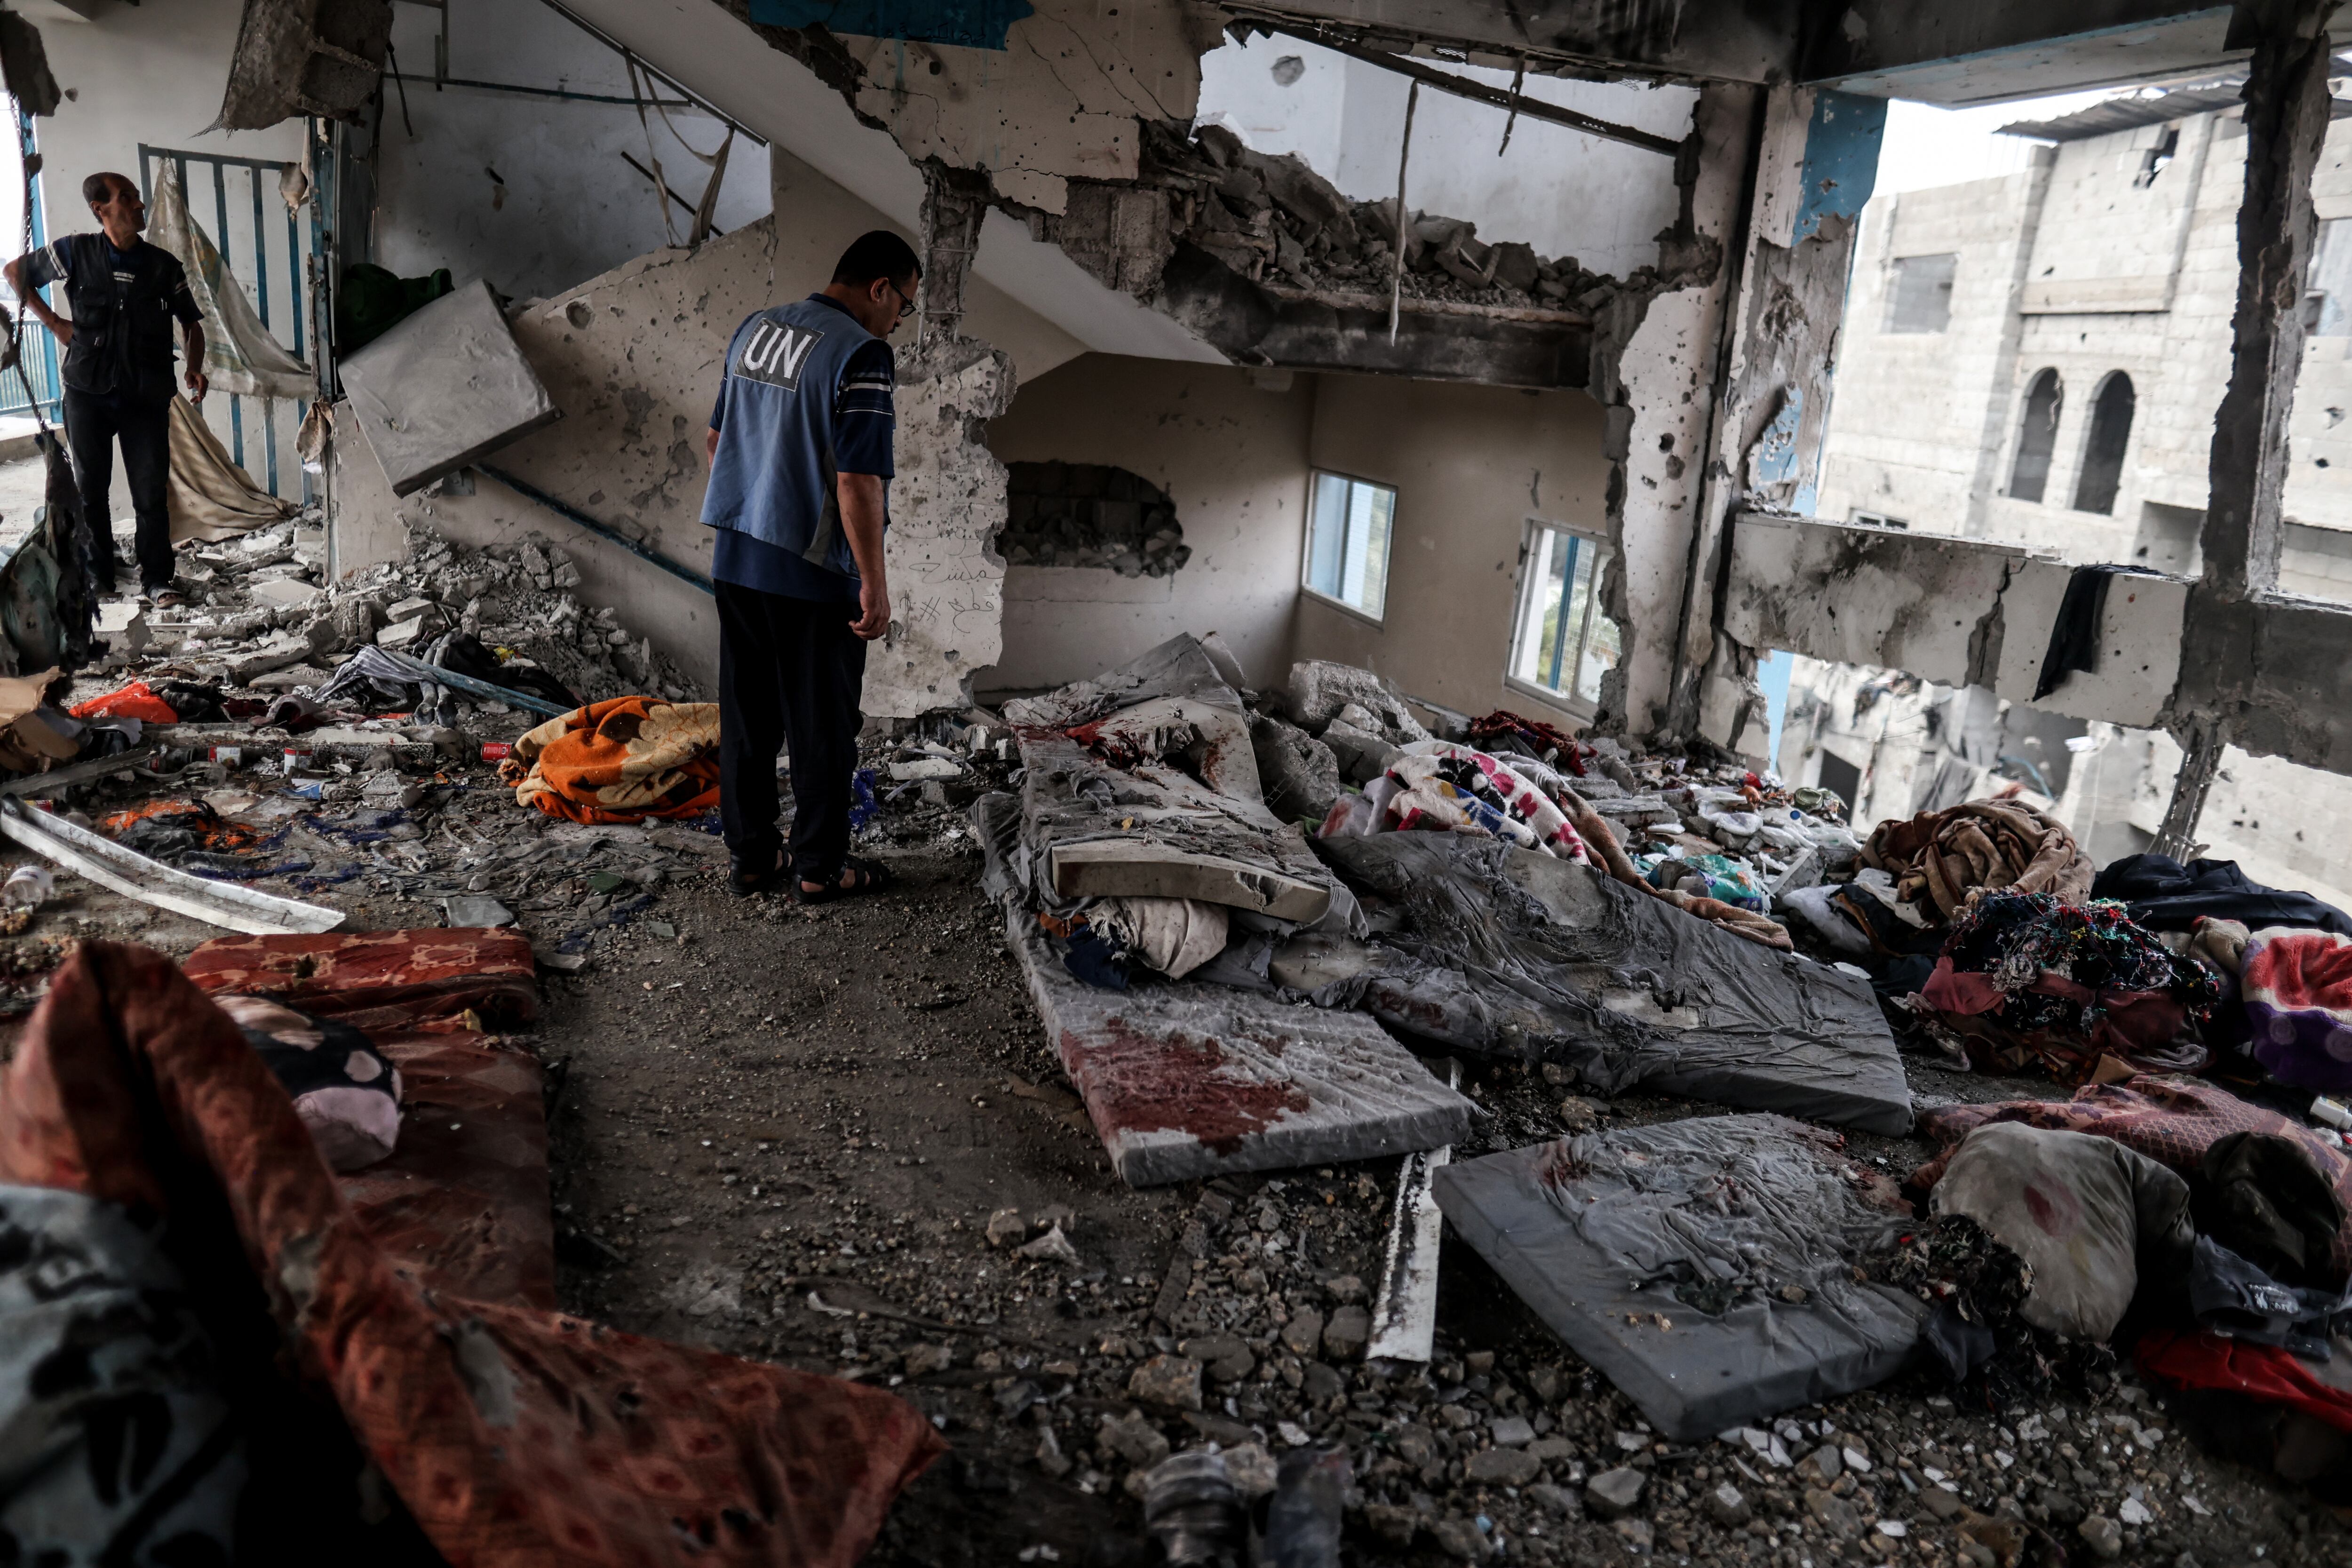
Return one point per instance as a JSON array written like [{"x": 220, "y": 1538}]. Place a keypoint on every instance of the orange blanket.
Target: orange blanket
[{"x": 621, "y": 760}]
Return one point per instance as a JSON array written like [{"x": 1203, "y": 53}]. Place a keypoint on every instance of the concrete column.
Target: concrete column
[
  {"x": 1816, "y": 162},
  {"x": 954, "y": 202},
  {"x": 2287, "y": 109}
]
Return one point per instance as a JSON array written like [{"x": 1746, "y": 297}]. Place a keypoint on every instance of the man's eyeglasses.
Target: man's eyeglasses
[{"x": 906, "y": 301}]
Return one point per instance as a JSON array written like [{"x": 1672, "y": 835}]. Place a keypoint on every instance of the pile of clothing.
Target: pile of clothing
[
  {"x": 2079, "y": 988},
  {"x": 1437, "y": 786},
  {"x": 2211, "y": 1237}
]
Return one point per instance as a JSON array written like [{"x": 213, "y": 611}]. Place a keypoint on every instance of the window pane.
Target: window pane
[
  {"x": 1919, "y": 297},
  {"x": 1380, "y": 515},
  {"x": 1347, "y": 542},
  {"x": 1539, "y": 604},
  {"x": 1602, "y": 648},
  {"x": 1561, "y": 645},
  {"x": 1327, "y": 534}
]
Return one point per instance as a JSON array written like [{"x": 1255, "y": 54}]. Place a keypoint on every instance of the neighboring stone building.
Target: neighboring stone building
[{"x": 2036, "y": 359}]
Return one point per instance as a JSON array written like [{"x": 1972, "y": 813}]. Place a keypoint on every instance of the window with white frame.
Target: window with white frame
[
  {"x": 1348, "y": 527},
  {"x": 1560, "y": 642}
]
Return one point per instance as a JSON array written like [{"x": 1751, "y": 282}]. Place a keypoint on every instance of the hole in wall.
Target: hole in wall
[{"x": 1090, "y": 514}]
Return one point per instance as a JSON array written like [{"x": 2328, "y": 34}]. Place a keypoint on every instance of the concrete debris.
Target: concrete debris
[
  {"x": 1320, "y": 691},
  {"x": 1272, "y": 219}
]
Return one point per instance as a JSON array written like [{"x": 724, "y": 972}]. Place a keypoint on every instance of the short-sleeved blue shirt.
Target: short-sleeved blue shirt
[{"x": 863, "y": 421}]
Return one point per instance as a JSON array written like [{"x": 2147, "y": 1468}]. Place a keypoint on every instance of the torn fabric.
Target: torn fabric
[
  {"x": 1143, "y": 784},
  {"x": 241, "y": 355},
  {"x": 515, "y": 1436},
  {"x": 210, "y": 496},
  {"x": 2171, "y": 1118}
]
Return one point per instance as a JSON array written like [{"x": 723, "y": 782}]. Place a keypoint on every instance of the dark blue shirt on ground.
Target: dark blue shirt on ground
[{"x": 866, "y": 421}]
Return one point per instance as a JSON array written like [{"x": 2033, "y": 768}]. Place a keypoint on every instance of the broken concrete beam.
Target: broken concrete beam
[
  {"x": 1192, "y": 1080},
  {"x": 401, "y": 634},
  {"x": 443, "y": 388},
  {"x": 285, "y": 593},
  {"x": 1141, "y": 868},
  {"x": 281, "y": 650}
]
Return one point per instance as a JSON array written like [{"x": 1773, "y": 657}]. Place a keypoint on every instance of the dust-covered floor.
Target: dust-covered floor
[{"x": 785, "y": 1132}]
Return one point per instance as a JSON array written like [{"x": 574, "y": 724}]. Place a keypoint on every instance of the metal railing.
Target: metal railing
[
  {"x": 251, "y": 243},
  {"x": 39, "y": 349}
]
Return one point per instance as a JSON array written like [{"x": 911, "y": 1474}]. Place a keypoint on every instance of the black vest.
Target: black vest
[{"x": 123, "y": 328}]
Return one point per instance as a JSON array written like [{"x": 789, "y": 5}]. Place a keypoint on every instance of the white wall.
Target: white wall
[
  {"x": 1471, "y": 466},
  {"x": 1564, "y": 192},
  {"x": 1232, "y": 456},
  {"x": 569, "y": 207}
]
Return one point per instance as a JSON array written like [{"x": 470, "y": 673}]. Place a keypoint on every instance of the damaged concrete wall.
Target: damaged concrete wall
[
  {"x": 528, "y": 192},
  {"x": 1472, "y": 466},
  {"x": 1816, "y": 162},
  {"x": 1654, "y": 371},
  {"x": 947, "y": 507},
  {"x": 1957, "y": 611},
  {"x": 633, "y": 358},
  {"x": 1230, "y": 447},
  {"x": 1060, "y": 101}
]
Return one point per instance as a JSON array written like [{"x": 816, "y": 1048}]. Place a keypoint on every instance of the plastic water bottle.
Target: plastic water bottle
[{"x": 28, "y": 888}]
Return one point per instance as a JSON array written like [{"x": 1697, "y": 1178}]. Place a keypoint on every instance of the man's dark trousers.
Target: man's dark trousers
[
  {"x": 790, "y": 673},
  {"x": 94, "y": 422}
]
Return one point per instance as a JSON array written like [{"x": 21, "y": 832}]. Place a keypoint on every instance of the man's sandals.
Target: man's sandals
[{"x": 858, "y": 876}]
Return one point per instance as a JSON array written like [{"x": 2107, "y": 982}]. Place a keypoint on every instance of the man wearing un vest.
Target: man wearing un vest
[
  {"x": 124, "y": 294},
  {"x": 799, "y": 477}
]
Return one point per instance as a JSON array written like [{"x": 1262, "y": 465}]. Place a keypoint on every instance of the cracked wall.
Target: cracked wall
[
  {"x": 634, "y": 359},
  {"x": 947, "y": 507}
]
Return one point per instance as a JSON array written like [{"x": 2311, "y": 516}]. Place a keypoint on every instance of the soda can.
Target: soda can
[{"x": 497, "y": 750}]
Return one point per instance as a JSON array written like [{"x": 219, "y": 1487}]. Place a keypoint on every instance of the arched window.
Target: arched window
[
  {"x": 2039, "y": 436},
  {"x": 2103, "y": 455}
]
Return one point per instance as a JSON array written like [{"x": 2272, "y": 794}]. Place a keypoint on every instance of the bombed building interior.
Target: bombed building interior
[{"x": 1606, "y": 783}]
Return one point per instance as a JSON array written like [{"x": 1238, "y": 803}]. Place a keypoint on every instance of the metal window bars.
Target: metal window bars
[{"x": 289, "y": 275}]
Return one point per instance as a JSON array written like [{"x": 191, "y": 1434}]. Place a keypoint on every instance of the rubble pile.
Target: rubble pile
[
  {"x": 1090, "y": 514},
  {"x": 1272, "y": 219}
]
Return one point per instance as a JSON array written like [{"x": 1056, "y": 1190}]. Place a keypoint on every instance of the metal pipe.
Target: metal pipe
[
  {"x": 601, "y": 531},
  {"x": 566, "y": 94},
  {"x": 1396, "y": 271},
  {"x": 1477, "y": 92},
  {"x": 613, "y": 44}
]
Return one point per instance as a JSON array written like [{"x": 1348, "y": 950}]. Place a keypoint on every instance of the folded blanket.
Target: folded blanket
[
  {"x": 621, "y": 760},
  {"x": 2297, "y": 988}
]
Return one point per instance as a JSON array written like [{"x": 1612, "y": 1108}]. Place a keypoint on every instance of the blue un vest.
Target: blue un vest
[{"x": 785, "y": 369}]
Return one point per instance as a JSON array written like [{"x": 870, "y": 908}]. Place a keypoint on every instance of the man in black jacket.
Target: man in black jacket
[{"x": 124, "y": 294}]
